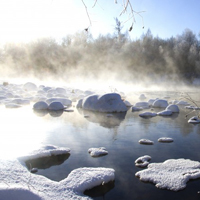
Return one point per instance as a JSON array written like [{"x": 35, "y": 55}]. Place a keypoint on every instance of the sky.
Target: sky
[{"x": 27, "y": 20}]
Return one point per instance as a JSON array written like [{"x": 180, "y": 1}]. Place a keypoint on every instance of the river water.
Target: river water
[{"x": 24, "y": 130}]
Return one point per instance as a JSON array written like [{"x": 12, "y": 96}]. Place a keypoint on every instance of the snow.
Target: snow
[
  {"x": 64, "y": 101},
  {"x": 185, "y": 103},
  {"x": 148, "y": 114},
  {"x": 18, "y": 183},
  {"x": 165, "y": 139},
  {"x": 96, "y": 152},
  {"x": 142, "y": 96},
  {"x": 173, "y": 174},
  {"x": 160, "y": 103},
  {"x": 110, "y": 102},
  {"x": 136, "y": 108},
  {"x": 127, "y": 103},
  {"x": 145, "y": 141},
  {"x": 194, "y": 120},
  {"x": 142, "y": 161}
]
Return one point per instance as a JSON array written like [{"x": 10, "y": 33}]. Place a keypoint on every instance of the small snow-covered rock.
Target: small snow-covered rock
[
  {"x": 79, "y": 103},
  {"x": 29, "y": 86},
  {"x": 182, "y": 103},
  {"x": 95, "y": 152},
  {"x": 40, "y": 105},
  {"x": 173, "y": 108},
  {"x": 64, "y": 101},
  {"x": 160, "y": 103},
  {"x": 55, "y": 106},
  {"x": 148, "y": 114},
  {"x": 142, "y": 104},
  {"x": 165, "y": 113},
  {"x": 165, "y": 139},
  {"x": 142, "y": 161},
  {"x": 194, "y": 120},
  {"x": 142, "y": 96},
  {"x": 151, "y": 101},
  {"x": 145, "y": 141},
  {"x": 136, "y": 108}
]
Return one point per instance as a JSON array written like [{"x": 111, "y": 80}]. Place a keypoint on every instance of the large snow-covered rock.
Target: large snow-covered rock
[
  {"x": 160, "y": 103},
  {"x": 110, "y": 102},
  {"x": 173, "y": 108},
  {"x": 40, "y": 105}
]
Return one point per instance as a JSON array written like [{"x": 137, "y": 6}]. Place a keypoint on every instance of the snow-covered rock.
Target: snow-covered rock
[
  {"x": 55, "y": 106},
  {"x": 148, "y": 114},
  {"x": 173, "y": 108},
  {"x": 142, "y": 96},
  {"x": 146, "y": 141},
  {"x": 96, "y": 152},
  {"x": 110, "y": 102},
  {"x": 40, "y": 105},
  {"x": 165, "y": 113},
  {"x": 160, "y": 103},
  {"x": 165, "y": 139},
  {"x": 142, "y": 161},
  {"x": 194, "y": 120},
  {"x": 142, "y": 104},
  {"x": 127, "y": 103},
  {"x": 29, "y": 86},
  {"x": 64, "y": 101},
  {"x": 173, "y": 174}
]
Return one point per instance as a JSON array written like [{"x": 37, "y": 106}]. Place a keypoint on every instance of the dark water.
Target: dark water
[{"x": 120, "y": 135}]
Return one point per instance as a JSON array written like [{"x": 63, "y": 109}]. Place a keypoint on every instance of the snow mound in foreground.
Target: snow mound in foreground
[
  {"x": 173, "y": 174},
  {"x": 18, "y": 183},
  {"x": 110, "y": 102},
  {"x": 194, "y": 120}
]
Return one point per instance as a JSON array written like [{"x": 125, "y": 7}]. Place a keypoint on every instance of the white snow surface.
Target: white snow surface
[
  {"x": 142, "y": 161},
  {"x": 109, "y": 102},
  {"x": 173, "y": 174},
  {"x": 20, "y": 184},
  {"x": 95, "y": 152}
]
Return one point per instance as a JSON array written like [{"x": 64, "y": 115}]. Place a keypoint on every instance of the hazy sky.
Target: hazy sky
[{"x": 25, "y": 20}]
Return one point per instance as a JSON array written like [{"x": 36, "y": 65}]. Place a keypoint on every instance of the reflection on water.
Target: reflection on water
[
  {"x": 46, "y": 162},
  {"x": 24, "y": 130}
]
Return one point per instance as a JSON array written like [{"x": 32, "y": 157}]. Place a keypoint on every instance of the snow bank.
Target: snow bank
[
  {"x": 96, "y": 152},
  {"x": 110, "y": 102},
  {"x": 142, "y": 161},
  {"x": 173, "y": 174}
]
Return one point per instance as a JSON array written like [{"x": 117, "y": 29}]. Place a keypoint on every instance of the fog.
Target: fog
[{"x": 113, "y": 61}]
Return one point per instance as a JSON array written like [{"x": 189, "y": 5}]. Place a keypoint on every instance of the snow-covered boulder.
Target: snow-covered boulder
[
  {"x": 146, "y": 141},
  {"x": 127, "y": 103},
  {"x": 79, "y": 103},
  {"x": 40, "y": 105},
  {"x": 194, "y": 120},
  {"x": 142, "y": 161},
  {"x": 173, "y": 108},
  {"x": 110, "y": 102},
  {"x": 160, "y": 103},
  {"x": 173, "y": 174},
  {"x": 142, "y": 104},
  {"x": 165, "y": 113},
  {"x": 165, "y": 139},
  {"x": 30, "y": 86},
  {"x": 142, "y": 96},
  {"x": 64, "y": 101},
  {"x": 96, "y": 152},
  {"x": 56, "y": 106},
  {"x": 136, "y": 108},
  {"x": 148, "y": 114}
]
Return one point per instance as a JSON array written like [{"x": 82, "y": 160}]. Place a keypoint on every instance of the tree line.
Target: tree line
[{"x": 82, "y": 55}]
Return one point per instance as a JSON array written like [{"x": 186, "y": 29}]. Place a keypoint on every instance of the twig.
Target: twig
[{"x": 87, "y": 11}]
